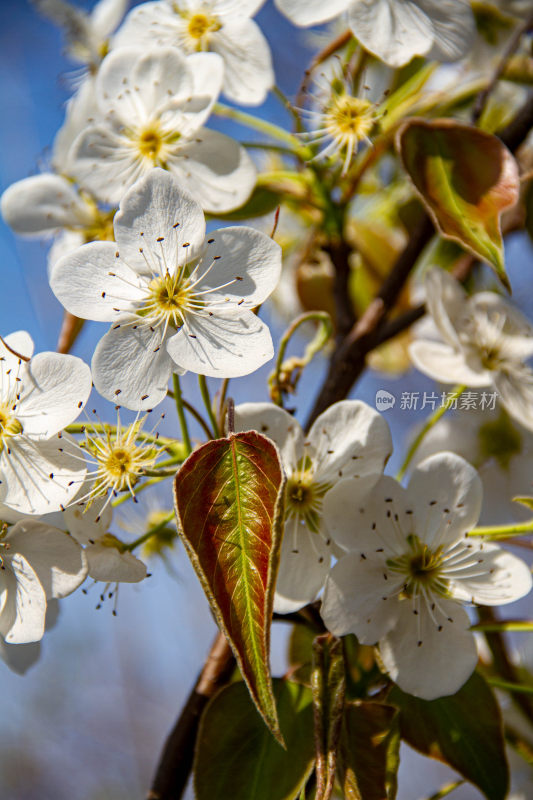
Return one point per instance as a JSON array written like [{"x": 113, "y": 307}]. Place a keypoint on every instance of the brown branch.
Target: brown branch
[
  {"x": 339, "y": 252},
  {"x": 70, "y": 330},
  {"x": 349, "y": 359},
  {"x": 175, "y": 765}
]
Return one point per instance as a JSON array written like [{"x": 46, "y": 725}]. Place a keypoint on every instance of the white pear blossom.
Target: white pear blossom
[
  {"x": 485, "y": 341},
  {"x": 411, "y": 567},
  {"x": 152, "y": 106},
  {"x": 349, "y": 440},
  {"x": 396, "y": 30},
  {"x": 39, "y": 396},
  {"x": 178, "y": 299},
  {"x": 37, "y": 562},
  {"x": 87, "y": 34},
  {"x": 222, "y": 26}
]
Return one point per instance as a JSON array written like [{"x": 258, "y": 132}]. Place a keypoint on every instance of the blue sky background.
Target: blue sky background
[{"x": 88, "y": 721}]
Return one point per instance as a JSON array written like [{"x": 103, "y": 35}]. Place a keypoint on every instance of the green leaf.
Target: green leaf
[
  {"x": 300, "y": 653},
  {"x": 229, "y": 507},
  {"x": 328, "y": 687},
  {"x": 463, "y": 730},
  {"x": 466, "y": 178},
  {"x": 261, "y": 202},
  {"x": 369, "y": 751},
  {"x": 237, "y": 759}
]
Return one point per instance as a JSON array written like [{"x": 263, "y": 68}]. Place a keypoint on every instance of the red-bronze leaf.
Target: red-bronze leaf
[{"x": 229, "y": 506}]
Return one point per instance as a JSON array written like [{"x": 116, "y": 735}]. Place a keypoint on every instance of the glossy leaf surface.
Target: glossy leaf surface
[
  {"x": 466, "y": 178},
  {"x": 229, "y": 498},
  {"x": 237, "y": 759},
  {"x": 463, "y": 730}
]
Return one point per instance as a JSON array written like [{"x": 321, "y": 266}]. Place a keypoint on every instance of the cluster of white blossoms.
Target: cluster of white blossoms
[{"x": 134, "y": 170}]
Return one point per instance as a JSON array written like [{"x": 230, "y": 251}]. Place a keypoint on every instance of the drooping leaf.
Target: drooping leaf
[
  {"x": 369, "y": 751},
  {"x": 237, "y": 759},
  {"x": 229, "y": 507},
  {"x": 328, "y": 686},
  {"x": 466, "y": 178},
  {"x": 463, "y": 730}
]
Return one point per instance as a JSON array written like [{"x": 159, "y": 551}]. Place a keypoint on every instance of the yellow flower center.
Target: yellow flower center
[
  {"x": 202, "y": 24},
  {"x": 303, "y": 497},
  {"x": 153, "y": 143},
  {"x": 101, "y": 228},
  {"x": 422, "y": 567},
  {"x": 168, "y": 297},
  {"x": 350, "y": 117},
  {"x": 9, "y": 425}
]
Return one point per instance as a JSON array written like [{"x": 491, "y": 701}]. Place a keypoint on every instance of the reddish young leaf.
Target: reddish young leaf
[
  {"x": 229, "y": 506},
  {"x": 466, "y": 178}
]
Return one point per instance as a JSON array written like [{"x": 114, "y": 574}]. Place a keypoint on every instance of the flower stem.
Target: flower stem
[
  {"x": 503, "y": 531},
  {"x": 208, "y": 405},
  {"x": 181, "y": 414},
  {"x": 268, "y": 128},
  {"x": 429, "y": 423},
  {"x": 152, "y": 532}
]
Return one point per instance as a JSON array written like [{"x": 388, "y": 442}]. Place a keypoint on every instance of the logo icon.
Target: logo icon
[{"x": 384, "y": 400}]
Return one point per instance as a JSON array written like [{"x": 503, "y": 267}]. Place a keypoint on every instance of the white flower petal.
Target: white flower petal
[
  {"x": 312, "y": 12},
  {"x": 102, "y": 161},
  {"x": 301, "y": 574},
  {"x": 38, "y": 477},
  {"x": 391, "y": 30},
  {"x": 514, "y": 331},
  {"x": 133, "y": 84},
  {"x": 446, "y": 302},
  {"x": 132, "y": 367},
  {"x": 446, "y": 494},
  {"x": 222, "y": 347},
  {"x": 365, "y": 516},
  {"x": 163, "y": 220},
  {"x": 515, "y": 390},
  {"x": 503, "y": 577},
  {"x": 55, "y": 390},
  {"x": 357, "y": 599},
  {"x": 92, "y": 282},
  {"x": 207, "y": 73},
  {"x": 107, "y": 14},
  {"x": 81, "y": 521},
  {"x": 19, "y": 341},
  {"x": 442, "y": 363},
  {"x": 426, "y": 670},
  {"x": 453, "y": 25},
  {"x": 248, "y": 73},
  {"x": 64, "y": 244},
  {"x": 350, "y": 439},
  {"x": 23, "y": 616},
  {"x": 107, "y": 564},
  {"x": 278, "y": 425},
  {"x": 42, "y": 203},
  {"x": 55, "y": 557},
  {"x": 215, "y": 169},
  {"x": 245, "y": 258},
  {"x": 82, "y": 110}
]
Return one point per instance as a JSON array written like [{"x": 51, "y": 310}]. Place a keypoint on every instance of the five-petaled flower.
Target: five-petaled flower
[
  {"x": 409, "y": 569},
  {"x": 485, "y": 343},
  {"x": 350, "y": 440},
  {"x": 152, "y": 106},
  {"x": 178, "y": 300}
]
